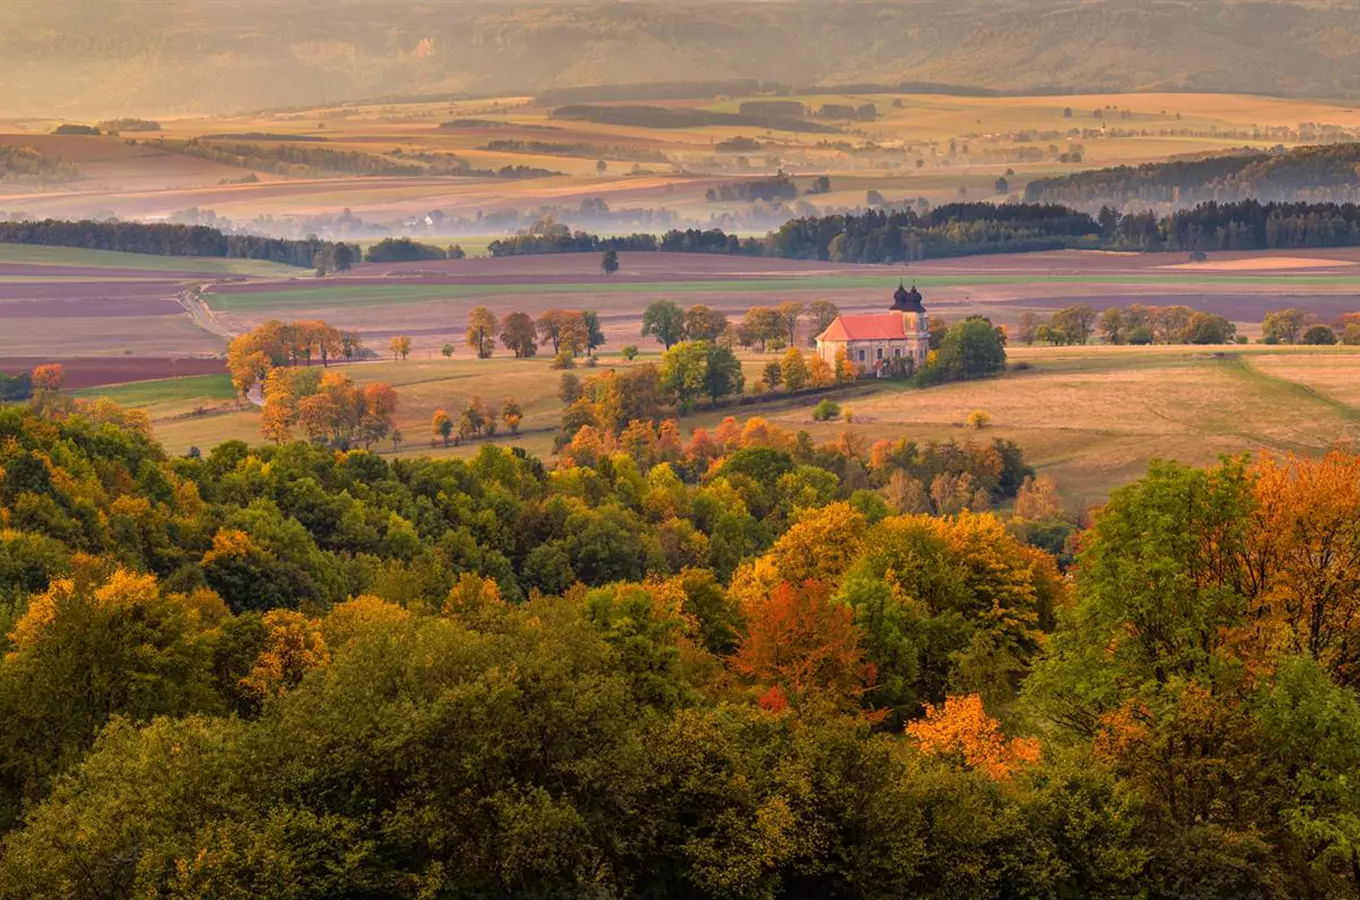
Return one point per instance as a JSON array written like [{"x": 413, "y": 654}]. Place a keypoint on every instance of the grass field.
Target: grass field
[
  {"x": 80, "y": 257},
  {"x": 1090, "y": 417}
]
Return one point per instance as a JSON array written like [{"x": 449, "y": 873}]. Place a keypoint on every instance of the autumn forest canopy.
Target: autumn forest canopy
[{"x": 734, "y": 663}]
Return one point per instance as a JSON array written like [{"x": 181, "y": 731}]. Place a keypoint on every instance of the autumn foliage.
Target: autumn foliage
[{"x": 961, "y": 728}]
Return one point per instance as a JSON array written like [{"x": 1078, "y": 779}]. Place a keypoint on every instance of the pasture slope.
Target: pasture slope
[{"x": 1090, "y": 417}]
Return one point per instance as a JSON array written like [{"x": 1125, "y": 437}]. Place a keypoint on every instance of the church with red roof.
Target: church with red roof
[{"x": 879, "y": 343}]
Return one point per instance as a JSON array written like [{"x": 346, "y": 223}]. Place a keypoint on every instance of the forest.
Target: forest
[
  {"x": 1318, "y": 173},
  {"x": 738, "y": 665}
]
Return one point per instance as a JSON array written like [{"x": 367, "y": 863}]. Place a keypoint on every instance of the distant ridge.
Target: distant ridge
[{"x": 77, "y": 59}]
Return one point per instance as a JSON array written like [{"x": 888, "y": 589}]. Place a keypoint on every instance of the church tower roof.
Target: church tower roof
[{"x": 907, "y": 300}]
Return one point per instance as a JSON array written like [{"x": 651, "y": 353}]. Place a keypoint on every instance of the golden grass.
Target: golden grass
[{"x": 1090, "y": 417}]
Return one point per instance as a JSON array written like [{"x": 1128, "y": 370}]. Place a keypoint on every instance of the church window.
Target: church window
[
  {"x": 861, "y": 356},
  {"x": 880, "y": 353},
  {"x": 897, "y": 352}
]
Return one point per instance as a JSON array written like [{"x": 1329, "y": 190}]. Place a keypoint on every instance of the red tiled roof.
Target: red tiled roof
[{"x": 872, "y": 327}]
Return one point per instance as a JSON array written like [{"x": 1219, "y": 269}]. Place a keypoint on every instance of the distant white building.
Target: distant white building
[{"x": 872, "y": 340}]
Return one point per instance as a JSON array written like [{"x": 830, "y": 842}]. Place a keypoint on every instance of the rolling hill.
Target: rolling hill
[{"x": 75, "y": 58}]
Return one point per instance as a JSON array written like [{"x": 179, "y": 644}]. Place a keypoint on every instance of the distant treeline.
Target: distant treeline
[
  {"x": 114, "y": 126},
  {"x": 1327, "y": 172},
  {"x": 284, "y": 159},
  {"x": 263, "y": 136},
  {"x": 162, "y": 239},
  {"x": 690, "y": 241},
  {"x": 587, "y": 151},
  {"x": 666, "y": 117},
  {"x": 661, "y": 90},
  {"x": 25, "y": 164},
  {"x": 967, "y": 229}
]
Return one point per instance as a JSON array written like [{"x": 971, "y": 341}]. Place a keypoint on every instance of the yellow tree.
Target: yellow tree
[
  {"x": 280, "y": 406},
  {"x": 400, "y": 346},
  {"x": 49, "y": 377},
  {"x": 1306, "y": 545},
  {"x": 845, "y": 369},
  {"x": 794, "y": 369},
  {"x": 481, "y": 331},
  {"x": 293, "y": 646},
  {"x": 441, "y": 426},
  {"x": 820, "y": 373},
  {"x": 962, "y": 729}
]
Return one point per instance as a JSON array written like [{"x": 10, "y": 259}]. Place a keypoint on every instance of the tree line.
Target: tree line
[
  {"x": 1325, "y": 172},
  {"x": 161, "y": 239},
  {"x": 963, "y": 229}
]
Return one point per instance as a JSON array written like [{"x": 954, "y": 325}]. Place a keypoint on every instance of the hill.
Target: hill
[
  {"x": 124, "y": 57},
  {"x": 1327, "y": 173}
]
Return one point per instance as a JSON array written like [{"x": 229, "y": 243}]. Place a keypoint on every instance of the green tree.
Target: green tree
[
  {"x": 664, "y": 320},
  {"x": 609, "y": 263},
  {"x": 683, "y": 371},
  {"x": 1284, "y": 325},
  {"x": 594, "y": 334},
  {"x": 1075, "y": 322},
  {"x": 971, "y": 349},
  {"x": 722, "y": 373}
]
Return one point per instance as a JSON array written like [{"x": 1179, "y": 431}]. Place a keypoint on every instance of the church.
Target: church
[{"x": 873, "y": 340}]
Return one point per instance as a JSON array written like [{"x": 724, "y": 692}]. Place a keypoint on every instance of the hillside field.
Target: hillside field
[{"x": 1090, "y": 417}]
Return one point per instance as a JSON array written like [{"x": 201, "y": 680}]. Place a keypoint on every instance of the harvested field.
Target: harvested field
[{"x": 1263, "y": 264}]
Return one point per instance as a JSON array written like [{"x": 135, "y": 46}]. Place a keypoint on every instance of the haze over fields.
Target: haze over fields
[{"x": 134, "y": 57}]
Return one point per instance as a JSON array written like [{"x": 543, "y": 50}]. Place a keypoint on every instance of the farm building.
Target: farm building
[{"x": 871, "y": 342}]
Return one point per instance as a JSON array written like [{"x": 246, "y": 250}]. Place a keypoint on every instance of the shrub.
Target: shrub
[
  {"x": 1140, "y": 336},
  {"x": 979, "y": 419},
  {"x": 824, "y": 411},
  {"x": 564, "y": 360},
  {"x": 1319, "y": 335},
  {"x": 630, "y": 352}
]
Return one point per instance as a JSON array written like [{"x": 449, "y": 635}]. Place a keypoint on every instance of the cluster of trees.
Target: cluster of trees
[
  {"x": 778, "y": 187},
  {"x": 163, "y": 239},
  {"x": 609, "y": 404},
  {"x": 329, "y": 409},
  {"x": 568, "y": 332},
  {"x": 770, "y": 327},
  {"x": 1297, "y": 326},
  {"x": 25, "y": 164},
  {"x": 115, "y": 126},
  {"x": 1325, "y": 172},
  {"x": 562, "y": 240},
  {"x": 1134, "y": 324},
  {"x": 476, "y": 420},
  {"x": 394, "y": 250},
  {"x": 253, "y": 355}
]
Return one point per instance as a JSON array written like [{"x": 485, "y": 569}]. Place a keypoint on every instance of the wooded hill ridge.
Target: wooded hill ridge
[{"x": 73, "y": 58}]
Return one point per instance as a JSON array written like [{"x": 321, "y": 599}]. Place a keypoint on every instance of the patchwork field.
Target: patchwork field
[
  {"x": 113, "y": 317},
  {"x": 1090, "y": 417},
  {"x": 917, "y": 145}
]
